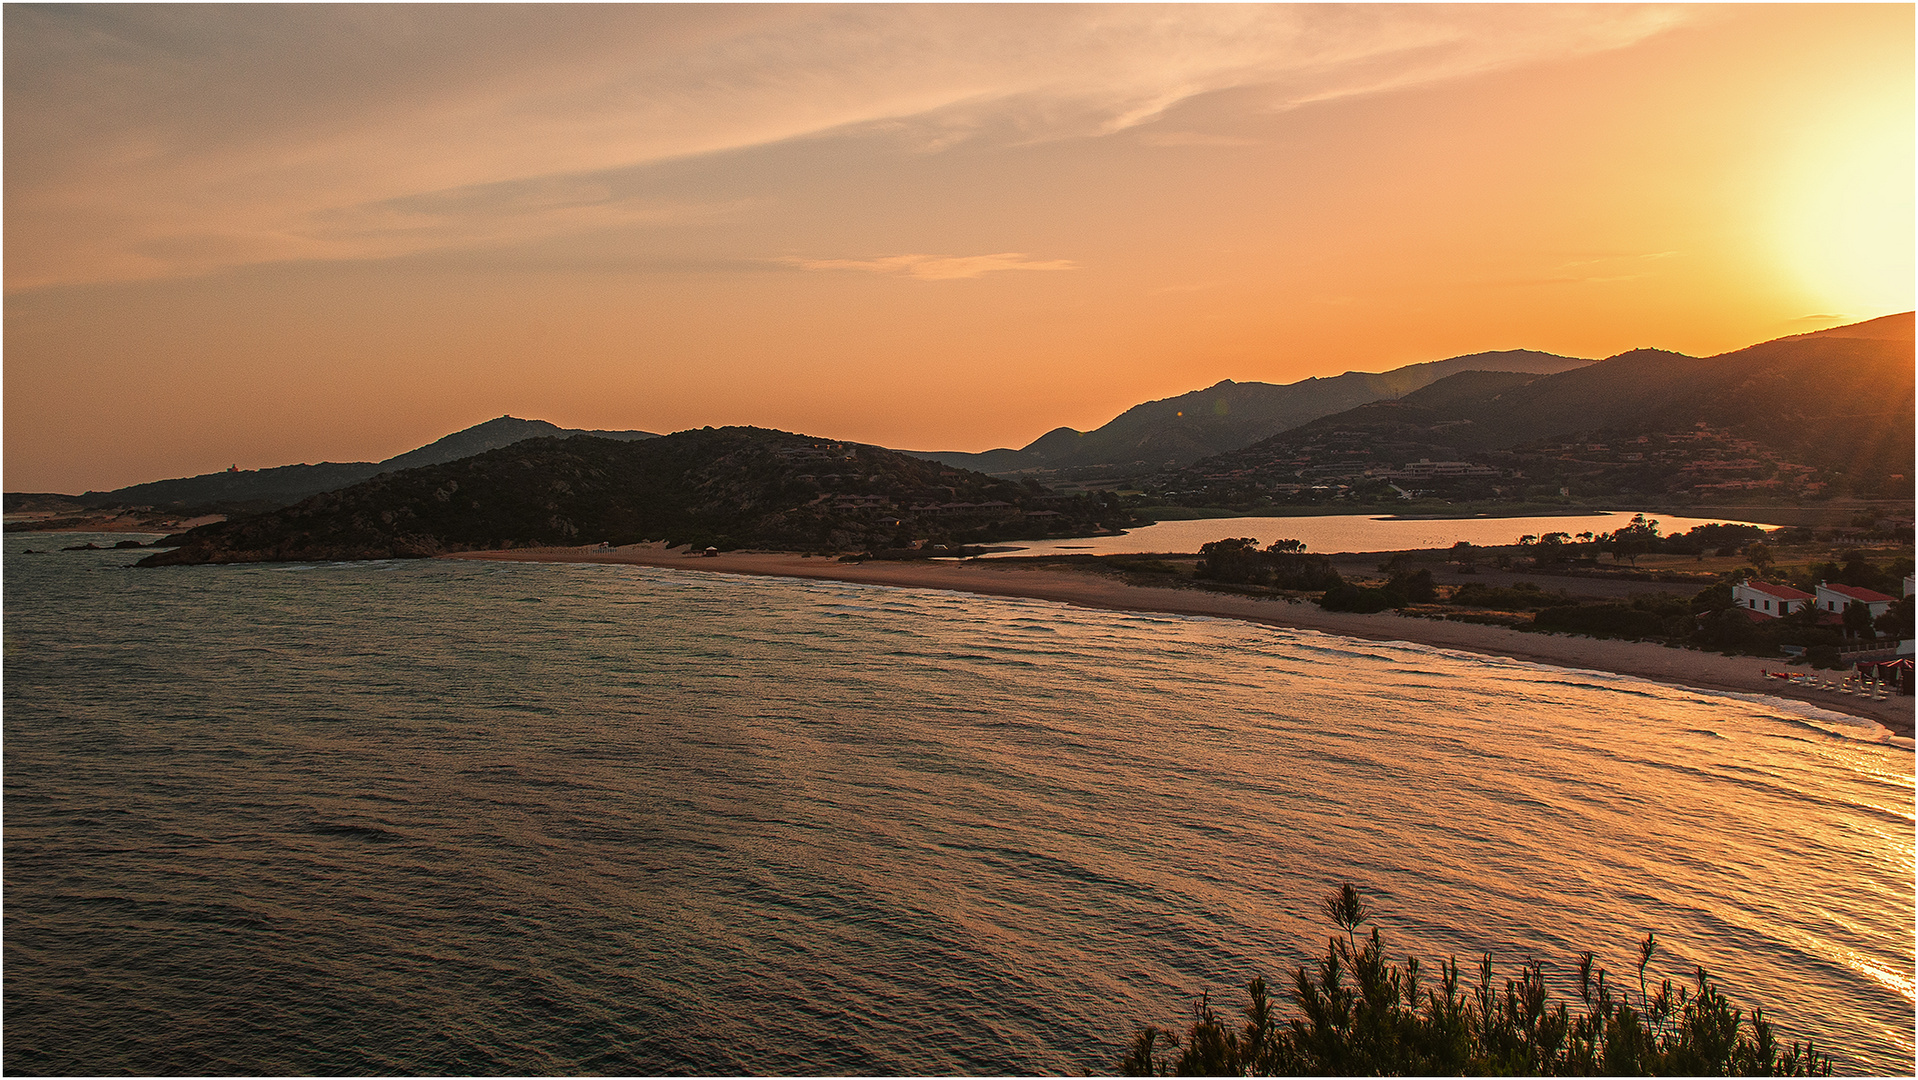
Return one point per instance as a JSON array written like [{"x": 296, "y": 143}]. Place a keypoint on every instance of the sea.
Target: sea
[
  {"x": 1353, "y": 532},
  {"x": 444, "y": 816}
]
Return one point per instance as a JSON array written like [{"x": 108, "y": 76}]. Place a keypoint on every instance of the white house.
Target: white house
[
  {"x": 1835, "y": 598},
  {"x": 1766, "y": 600}
]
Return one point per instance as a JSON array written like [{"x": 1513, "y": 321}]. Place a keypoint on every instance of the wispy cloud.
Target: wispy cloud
[
  {"x": 936, "y": 267},
  {"x": 161, "y": 140}
]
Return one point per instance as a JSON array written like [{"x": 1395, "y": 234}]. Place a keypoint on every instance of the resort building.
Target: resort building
[
  {"x": 1834, "y": 599},
  {"x": 1765, "y": 600}
]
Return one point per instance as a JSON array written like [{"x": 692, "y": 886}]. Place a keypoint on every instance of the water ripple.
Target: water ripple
[{"x": 480, "y": 818}]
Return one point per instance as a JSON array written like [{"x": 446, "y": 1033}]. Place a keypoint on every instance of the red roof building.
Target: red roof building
[
  {"x": 1834, "y": 599},
  {"x": 1762, "y": 599}
]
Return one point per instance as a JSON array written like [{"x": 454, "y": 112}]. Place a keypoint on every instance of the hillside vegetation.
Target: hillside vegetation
[
  {"x": 1803, "y": 417},
  {"x": 724, "y": 487},
  {"x": 261, "y": 489},
  {"x": 1177, "y": 431}
]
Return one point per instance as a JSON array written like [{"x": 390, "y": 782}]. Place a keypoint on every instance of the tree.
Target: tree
[
  {"x": 1896, "y": 621},
  {"x": 1233, "y": 560},
  {"x": 1759, "y": 555},
  {"x": 1360, "y": 1014},
  {"x": 1466, "y": 556},
  {"x": 1635, "y": 539},
  {"x": 1551, "y": 547},
  {"x": 1858, "y": 621}
]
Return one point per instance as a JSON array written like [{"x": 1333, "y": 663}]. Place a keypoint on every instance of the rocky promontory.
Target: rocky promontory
[{"x": 722, "y": 487}]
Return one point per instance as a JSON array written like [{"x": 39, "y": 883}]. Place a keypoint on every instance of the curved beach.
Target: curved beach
[{"x": 1681, "y": 667}]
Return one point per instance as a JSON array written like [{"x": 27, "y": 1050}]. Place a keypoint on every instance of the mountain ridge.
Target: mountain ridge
[
  {"x": 1799, "y": 416},
  {"x": 286, "y": 484},
  {"x": 1182, "y": 429}
]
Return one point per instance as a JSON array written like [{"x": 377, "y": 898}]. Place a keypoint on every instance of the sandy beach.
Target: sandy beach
[{"x": 1680, "y": 667}]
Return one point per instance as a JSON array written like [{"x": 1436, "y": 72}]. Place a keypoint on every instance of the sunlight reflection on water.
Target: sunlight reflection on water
[
  {"x": 486, "y": 817},
  {"x": 1348, "y": 532}
]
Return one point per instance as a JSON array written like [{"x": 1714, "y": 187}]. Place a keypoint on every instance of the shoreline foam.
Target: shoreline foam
[{"x": 1657, "y": 663}]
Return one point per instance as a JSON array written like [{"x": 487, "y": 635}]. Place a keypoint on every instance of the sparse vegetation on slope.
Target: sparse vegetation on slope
[{"x": 725, "y": 487}]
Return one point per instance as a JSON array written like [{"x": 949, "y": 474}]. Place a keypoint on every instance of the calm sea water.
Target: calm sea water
[
  {"x": 1353, "y": 532},
  {"x": 483, "y": 818}
]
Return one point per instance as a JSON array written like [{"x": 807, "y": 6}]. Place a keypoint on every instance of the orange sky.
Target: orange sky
[{"x": 264, "y": 235}]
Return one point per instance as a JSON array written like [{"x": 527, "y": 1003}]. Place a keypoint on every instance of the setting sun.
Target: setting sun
[{"x": 1845, "y": 214}]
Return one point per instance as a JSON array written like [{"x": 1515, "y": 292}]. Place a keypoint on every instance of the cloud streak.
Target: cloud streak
[
  {"x": 936, "y": 267},
  {"x": 163, "y": 141}
]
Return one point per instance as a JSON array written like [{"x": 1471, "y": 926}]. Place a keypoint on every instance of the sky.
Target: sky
[{"x": 266, "y": 234}]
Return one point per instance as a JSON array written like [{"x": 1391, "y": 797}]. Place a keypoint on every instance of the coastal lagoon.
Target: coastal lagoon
[
  {"x": 458, "y": 816},
  {"x": 1354, "y": 532}
]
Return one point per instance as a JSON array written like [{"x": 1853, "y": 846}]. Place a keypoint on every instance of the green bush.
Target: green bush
[{"x": 1359, "y": 1014}]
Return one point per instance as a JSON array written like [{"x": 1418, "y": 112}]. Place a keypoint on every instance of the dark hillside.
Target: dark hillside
[
  {"x": 725, "y": 487},
  {"x": 1825, "y": 413},
  {"x": 1177, "y": 431},
  {"x": 257, "y": 489}
]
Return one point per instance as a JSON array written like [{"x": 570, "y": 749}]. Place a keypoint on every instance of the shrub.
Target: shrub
[
  {"x": 1406, "y": 587},
  {"x": 1283, "y": 565},
  {"x": 1360, "y": 1014}
]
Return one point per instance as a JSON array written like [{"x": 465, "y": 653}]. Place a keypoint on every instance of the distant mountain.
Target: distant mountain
[
  {"x": 725, "y": 487},
  {"x": 286, "y": 484},
  {"x": 1180, "y": 430},
  {"x": 1792, "y": 416}
]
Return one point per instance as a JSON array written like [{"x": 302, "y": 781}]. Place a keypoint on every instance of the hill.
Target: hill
[
  {"x": 1803, "y": 416},
  {"x": 1178, "y": 431},
  {"x": 725, "y": 487},
  {"x": 265, "y": 488}
]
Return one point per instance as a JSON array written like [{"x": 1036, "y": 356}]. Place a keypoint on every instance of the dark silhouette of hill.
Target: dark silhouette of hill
[
  {"x": 1180, "y": 430},
  {"x": 286, "y": 484},
  {"x": 1836, "y": 402},
  {"x": 726, "y": 487}
]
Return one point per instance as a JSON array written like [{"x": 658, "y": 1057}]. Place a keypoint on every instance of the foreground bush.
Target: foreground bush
[{"x": 1360, "y": 1014}]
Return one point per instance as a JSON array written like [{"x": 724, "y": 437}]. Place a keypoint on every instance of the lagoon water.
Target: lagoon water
[
  {"x": 502, "y": 818},
  {"x": 1353, "y": 532}
]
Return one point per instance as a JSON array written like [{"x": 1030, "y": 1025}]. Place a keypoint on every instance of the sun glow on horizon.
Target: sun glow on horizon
[
  {"x": 1844, "y": 225},
  {"x": 271, "y": 234}
]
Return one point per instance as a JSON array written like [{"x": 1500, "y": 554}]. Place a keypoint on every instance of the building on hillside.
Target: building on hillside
[
  {"x": 1766, "y": 600},
  {"x": 1427, "y": 469},
  {"x": 1833, "y": 599}
]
